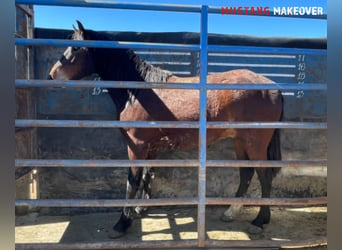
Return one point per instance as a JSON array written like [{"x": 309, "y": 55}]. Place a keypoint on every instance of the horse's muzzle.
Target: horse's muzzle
[{"x": 49, "y": 77}]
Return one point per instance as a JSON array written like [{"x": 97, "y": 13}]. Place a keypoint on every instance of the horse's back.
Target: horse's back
[
  {"x": 232, "y": 76},
  {"x": 222, "y": 105},
  {"x": 245, "y": 105},
  {"x": 240, "y": 105}
]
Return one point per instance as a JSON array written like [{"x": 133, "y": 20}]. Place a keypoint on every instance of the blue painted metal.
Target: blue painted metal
[
  {"x": 166, "y": 163},
  {"x": 256, "y": 125},
  {"x": 168, "y": 202},
  {"x": 269, "y": 50},
  {"x": 115, "y": 5},
  {"x": 145, "y": 6},
  {"x": 105, "y": 202},
  {"x": 103, "y": 44},
  {"x": 203, "y": 127},
  {"x": 279, "y": 86},
  {"x": 165, "y": 46},
  {"x": 166, "y": 124},
  {"x": 149, "y": 85},
  {"x": 103, "y": 124}
]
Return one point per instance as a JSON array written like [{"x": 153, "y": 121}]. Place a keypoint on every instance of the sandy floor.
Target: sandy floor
[{"x": 172, "y": 224}]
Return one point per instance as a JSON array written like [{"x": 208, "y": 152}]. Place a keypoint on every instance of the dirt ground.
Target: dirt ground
[{"x": 173, "y": 223}]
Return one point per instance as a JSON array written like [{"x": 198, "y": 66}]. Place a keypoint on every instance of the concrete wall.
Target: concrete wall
[{"x": 59, "y": 143}]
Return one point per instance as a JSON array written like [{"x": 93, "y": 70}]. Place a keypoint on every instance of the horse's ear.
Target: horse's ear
[
  {"x": 80, "y": 26},
  {"x": 73, "y": 26}
]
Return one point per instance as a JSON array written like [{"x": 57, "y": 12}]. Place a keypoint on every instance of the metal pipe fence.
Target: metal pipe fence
[{"x": 201, "y": 201}]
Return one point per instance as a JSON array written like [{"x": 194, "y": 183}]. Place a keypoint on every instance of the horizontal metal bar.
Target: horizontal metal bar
[
  {"x": 165, "y": 124},
  {"x": 252, "y": 65},
  {"x": 103, "y": 84},
  {"x": 115, "y": 5},
  {"x": 153, "y": 85},
  {"x": 115, "y": 244},
  {"x": 256, "y": 86},
  {"x": 267, "y": 50},
  {"x": 268, "y": 201},
  {"x": 104, "y": 124},
  {"x": 104, "y": 163},
  {"x": 104, "y": 44},
  {"x": 267, "y": 244},
  {"x": 261, "y": 125},
  {"x": 216, "y": 54},
  {"x": 165, "y": 46},
  {"x": 105, "y": 202},
  {"x": 181, "y": 244},
  {"x": 170, "y": 202},
  {"x": 147, "y": 6},
  {"x": 166, "y": 163},
  {"x": 267, "y": 164}
]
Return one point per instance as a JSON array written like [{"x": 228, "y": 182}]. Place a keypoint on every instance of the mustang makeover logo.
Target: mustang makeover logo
[{"x": 275, "y": 11}]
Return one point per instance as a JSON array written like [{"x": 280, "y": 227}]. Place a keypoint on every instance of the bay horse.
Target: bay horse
[{"x": 179, "y": 105}]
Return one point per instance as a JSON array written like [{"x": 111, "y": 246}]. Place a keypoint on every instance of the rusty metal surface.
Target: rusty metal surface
[{"x": 167, "y": 244}]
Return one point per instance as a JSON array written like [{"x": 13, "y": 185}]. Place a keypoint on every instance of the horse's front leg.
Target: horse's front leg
[
  {"x": 133, "y": 183},
  {"x": 126, "y": 218},
  {"x": 145, "y": 189}
]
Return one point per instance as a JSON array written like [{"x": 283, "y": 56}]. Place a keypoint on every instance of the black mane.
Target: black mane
[{"x": 122, "y": 65}]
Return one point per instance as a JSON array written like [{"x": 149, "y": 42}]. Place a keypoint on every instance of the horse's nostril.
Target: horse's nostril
[{"x": 49, "y": 77}]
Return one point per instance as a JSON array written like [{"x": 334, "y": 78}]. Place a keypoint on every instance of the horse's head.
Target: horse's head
[{"x": 76, "y": 62}]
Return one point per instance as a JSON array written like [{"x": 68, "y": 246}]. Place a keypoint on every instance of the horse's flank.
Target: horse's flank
[{"x": 183, "y": 105}]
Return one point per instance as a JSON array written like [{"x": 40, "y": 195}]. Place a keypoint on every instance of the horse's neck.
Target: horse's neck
[{"x": 125, "y": 65}]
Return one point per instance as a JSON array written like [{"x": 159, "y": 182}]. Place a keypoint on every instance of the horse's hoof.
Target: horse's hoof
[
  {"x": 226, "y": 218},
  {"x": 255, "y": 230},
  {"x": 115, "y": 234},
  {"x": 140, "y": 211}
]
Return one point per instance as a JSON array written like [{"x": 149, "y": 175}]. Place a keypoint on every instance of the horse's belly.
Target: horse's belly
[{"x": 186, "y": 140}]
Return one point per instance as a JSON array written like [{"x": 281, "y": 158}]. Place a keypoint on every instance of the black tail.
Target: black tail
[{"x": 274, "y": 148}]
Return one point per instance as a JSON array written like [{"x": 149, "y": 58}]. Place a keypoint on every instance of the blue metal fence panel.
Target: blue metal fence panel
[
  {"x": 164, "y": 46},
  {"x": 165, "y": 124},
  {"x": 144, "y": 85},
  {"x": 145, "y": 6},
  {"x": 202, "y": 125}
]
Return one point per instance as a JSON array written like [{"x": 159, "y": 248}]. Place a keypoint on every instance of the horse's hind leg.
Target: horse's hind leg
[
  {"x": 265, "y": 177},
  {"x": 246, "y": 175},
  {"x": 258, "y": 151}
]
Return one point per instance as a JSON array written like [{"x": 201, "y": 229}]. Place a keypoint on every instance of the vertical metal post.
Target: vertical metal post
[{"x": 203, "y": 130}]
